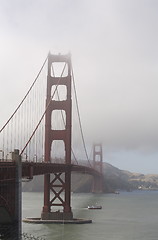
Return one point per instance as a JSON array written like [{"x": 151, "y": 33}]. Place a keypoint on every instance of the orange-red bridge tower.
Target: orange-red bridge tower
[{"x": 59, "y": 183}]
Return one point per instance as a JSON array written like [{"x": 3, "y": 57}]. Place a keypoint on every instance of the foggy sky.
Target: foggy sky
[{"x": 115, "y": 61}]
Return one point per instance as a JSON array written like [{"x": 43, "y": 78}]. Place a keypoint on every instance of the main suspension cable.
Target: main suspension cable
[
  {"x": 63, "y": 118},
  {"x": 44, "y": 112},
  {"x": 25, "y": 95},
  {"x": 78, "y": 113},
  {"x": 65, "y": 126}
]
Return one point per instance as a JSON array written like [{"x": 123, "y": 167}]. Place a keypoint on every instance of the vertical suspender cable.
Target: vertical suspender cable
[
  {"x": 63, "y": 118},
  {"x": 84, "y": 145},
  {"x": 25, "y": 95},
  {"x": 37, "y": 126}
]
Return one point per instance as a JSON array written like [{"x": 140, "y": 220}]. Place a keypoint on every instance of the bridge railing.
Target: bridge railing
[{"x": 9, "y": 158}]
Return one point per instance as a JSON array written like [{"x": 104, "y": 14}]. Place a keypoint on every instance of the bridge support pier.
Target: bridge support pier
[
  {"x": 10, "y": 199},
  {"x": 57, "y": 216},
  {"x": 60, "y": 186}
]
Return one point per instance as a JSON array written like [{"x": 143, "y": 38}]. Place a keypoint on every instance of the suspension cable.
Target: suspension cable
[
  {"x": 25, "y": 95},
  {"x": 76, "y": 100},
  {"x": 44, "y": 112},
  {"x": 63, "y": 119},
  {"x": 65, "y": 126}
]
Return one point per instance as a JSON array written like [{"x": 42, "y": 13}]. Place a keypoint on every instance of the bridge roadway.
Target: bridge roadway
[{"x": 30, "y": 169}]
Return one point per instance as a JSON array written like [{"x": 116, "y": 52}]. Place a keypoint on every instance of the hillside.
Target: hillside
[{"x": 114, "y": 179}]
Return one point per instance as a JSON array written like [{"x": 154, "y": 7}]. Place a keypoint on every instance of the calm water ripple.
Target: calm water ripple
[{"x": 124, "y": 216}]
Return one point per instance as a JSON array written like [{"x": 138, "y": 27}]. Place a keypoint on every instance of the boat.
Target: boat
[
  {"x": 117, "y": 192},
  {"x": 94, "y": 207}
]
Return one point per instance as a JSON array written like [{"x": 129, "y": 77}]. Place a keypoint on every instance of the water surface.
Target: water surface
[{"x": 124, "y": 216}]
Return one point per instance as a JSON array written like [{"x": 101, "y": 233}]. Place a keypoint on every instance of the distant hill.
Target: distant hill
[{"x": 114, "y": 179}]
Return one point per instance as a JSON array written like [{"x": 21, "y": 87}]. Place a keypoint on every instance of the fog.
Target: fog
[{"x": 114, "y": 51}]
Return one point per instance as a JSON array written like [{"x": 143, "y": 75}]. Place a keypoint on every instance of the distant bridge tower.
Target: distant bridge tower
[
  {"x": 57, "y": 190},
  {"x": 97, "y": 186}
]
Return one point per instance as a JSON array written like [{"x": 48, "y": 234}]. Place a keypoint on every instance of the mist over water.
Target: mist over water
[{"x": 114, "y": 57}]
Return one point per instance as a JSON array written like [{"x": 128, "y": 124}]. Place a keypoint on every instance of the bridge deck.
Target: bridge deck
[{"x": 30, "y": 169}]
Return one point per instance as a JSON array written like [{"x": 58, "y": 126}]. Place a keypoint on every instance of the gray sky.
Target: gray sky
[{"x": 115, "y": 60}]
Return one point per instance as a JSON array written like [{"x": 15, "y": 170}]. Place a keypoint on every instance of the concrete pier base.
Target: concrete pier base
[
  {"x": 57, "y": 216},
  {"x": 41, "y": 221}
]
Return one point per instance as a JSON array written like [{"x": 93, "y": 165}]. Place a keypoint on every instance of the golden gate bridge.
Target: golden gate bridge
[{"x": 41, "y": 138}]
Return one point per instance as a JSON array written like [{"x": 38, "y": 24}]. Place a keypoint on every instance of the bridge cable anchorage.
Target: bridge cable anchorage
[
  {"x": 77, "y": 105},
  {"x": 25, "y": 95},
  {"x": 44, "y": 112},
  {"x": 63, "y": 117}
]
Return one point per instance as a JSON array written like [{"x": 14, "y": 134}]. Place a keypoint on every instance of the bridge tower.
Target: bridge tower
[
  {"x": 57, "y": 186},
  {"x": 97, "y": 186}
]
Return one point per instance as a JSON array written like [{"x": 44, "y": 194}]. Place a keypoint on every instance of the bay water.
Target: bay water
[{"x": 124, "y": 216}]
